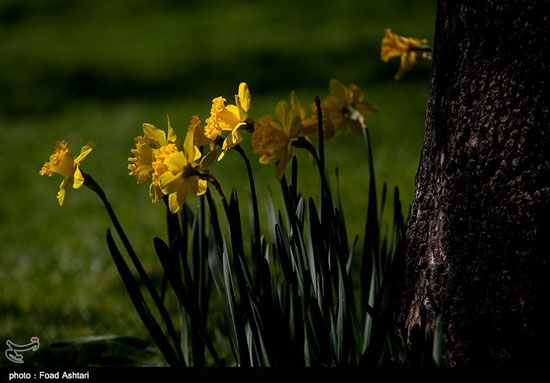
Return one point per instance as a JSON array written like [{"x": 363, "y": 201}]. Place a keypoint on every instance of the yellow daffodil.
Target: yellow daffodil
[
  {"x": 145, "y": 165},
  {"x": 346, "y": 107},
  {"x": 181, "y": 174},
  {"x": 272, "y": 141},
  {"x": 62, "y": 162},
  {"x": 229, "y": 118},
  {"x": 410, "y": 50},
  {"x": 201, "y": 140},
  {"x": 310, "y": 123}
]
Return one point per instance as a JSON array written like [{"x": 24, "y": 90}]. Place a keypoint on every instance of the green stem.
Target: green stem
[
  {"x": 305, "y": 144},
  {"x": 321, "y": 133},
  {"x": 236, "y": 242},
  {"x": 256, "y": 244},
  {"x": 174, "y": 221}
]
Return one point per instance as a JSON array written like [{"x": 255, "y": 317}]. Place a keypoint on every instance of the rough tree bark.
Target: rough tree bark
[{"x": 478, "y": 235}]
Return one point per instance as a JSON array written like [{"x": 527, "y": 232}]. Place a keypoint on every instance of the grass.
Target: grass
[{"x": 97, "y": 70}]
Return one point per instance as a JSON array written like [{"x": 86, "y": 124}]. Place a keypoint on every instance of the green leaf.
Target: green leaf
[
  {"x": 437, "y": 352},
  {"x": 141, "y": 307},
  {"x": 187, "y": 300}
]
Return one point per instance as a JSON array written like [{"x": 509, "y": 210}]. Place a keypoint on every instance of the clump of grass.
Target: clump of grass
[{"x": 292, "y": 298}]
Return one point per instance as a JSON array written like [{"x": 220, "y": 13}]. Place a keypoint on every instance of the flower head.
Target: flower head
[
  {"x": 228, "y": 118},
  {"x": 272, "y": 141},
  {"x": 180, "y": 174},
  {"x": 62, "y": 162},
  {"x": 346, "y": 107},
  {"x": 407, "y": 47},
  {"x": 145, "y": 165}
]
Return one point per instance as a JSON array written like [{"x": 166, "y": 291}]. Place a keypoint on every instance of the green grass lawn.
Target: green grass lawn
[{"x": 92, "y": 70}]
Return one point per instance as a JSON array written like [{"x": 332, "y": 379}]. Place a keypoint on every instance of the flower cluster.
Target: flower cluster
[
  {"x": 172, "y": 168},
  {"x": 342, "y": 110},
  {"x": 175, "y": 169},
  {"x": 177, "y": 172}
]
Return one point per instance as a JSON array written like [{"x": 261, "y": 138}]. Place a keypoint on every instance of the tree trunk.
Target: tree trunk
[{"x": 478, "y": 233}]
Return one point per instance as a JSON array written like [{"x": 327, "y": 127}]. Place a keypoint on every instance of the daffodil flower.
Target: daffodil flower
[
  {"x": 346, "y": 107},
  {"x": 62, "y": 162},
  {"x": 310, "y": 123},
  {"x": 182, "y": 174},
  {"x": 201, "y": 140},
  {"x": 228, "y": 118},
  {"x": 410, "y": 50},
  {"x": 145, "y": 165},
  {"x": 272, "y": 140}
]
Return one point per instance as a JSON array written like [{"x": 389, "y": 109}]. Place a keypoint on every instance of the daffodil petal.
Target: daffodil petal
[
  {"x": 177, "y": 199},
  {"x": 78, "y": 178},
  {"x": 236, "y": 135},
  {"x": 281, "y": 111},
  {"x": 266, "y": 160},
  {"x": 86, "y": 149},
  {"x": 171, "y": 133},
  {"x": 286, "y": 158},
  {"x": 170, "y": 182},
  {"x": 154, "y": 133},
  {"x": 227, "y": 143},
  {"x": 297, "y": 106},
  {"x": 337, "y": 89},
  {"x": 197, "y": 185},
  {"x": 175, "y": 162},
  {"x": 202, "y": 186},
  {"x": 236, "y": 114},
  {"x": 244, "y": 96},
  {"x": 173, "y": 203},
  {"x": 155, "y": 193},
  {"x": 189, "y": 147},
  {"x": 62, "y": 190}
]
